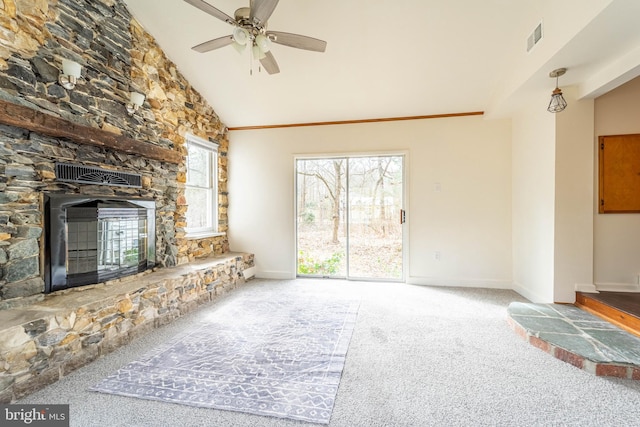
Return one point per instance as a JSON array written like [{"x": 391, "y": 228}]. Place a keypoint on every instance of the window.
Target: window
[{"x": 201, "y": 190}]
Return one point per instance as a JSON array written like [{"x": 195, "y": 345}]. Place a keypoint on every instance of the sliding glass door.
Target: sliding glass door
[{"x": 349, "y": 217}]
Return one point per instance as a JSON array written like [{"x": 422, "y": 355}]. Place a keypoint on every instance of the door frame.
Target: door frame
[{"x": 405, "y": 205}]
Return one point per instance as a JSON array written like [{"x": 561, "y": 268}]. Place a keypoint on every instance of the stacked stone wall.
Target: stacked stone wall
[{"x": 117, "y": 57}]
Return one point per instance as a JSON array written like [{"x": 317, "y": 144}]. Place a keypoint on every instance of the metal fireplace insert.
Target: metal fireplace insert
[{"x": 93, "y": 239}]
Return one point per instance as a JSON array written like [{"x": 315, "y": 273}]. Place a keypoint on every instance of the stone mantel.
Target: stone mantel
[{"x": 47, "y": 124}]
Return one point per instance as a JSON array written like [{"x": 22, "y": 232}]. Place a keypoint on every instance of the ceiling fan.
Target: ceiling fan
[{"x": 250, "y": 29}]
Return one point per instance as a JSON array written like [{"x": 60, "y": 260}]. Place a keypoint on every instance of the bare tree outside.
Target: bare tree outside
[
  {"x": 375, "y": 232},
  {"x": 321, "y": 251},
  {"x": 370, "y": 199}
]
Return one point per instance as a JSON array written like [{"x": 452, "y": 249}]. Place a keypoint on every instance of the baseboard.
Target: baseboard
[
  {"x": 278, "y": 275},
  {"x": 531, "y": 296},
  {"x": 617, "y": 287},
  {"x": 588, "y": 288},
  {"x": 460, "y": 283}
]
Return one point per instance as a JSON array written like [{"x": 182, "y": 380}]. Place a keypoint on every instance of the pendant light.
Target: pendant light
[{"x": 557, "y": 103}]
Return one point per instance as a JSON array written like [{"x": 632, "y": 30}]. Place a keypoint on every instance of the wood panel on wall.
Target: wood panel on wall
[{"x": 619, "y": 173}]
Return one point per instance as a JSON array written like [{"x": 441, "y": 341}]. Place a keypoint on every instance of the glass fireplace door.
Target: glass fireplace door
[
  {"x": 91, "y": 240},
  {"x": 82, "y": 247},
  {"x": 121, "y": 243},
  {"x": 105, "y": 240}
]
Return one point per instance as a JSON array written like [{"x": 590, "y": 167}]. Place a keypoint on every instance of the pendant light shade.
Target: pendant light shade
[{"x": 557, "y": 103}]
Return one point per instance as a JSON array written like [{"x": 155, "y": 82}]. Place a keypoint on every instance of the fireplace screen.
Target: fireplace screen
[{"x": 93, "y": 240}]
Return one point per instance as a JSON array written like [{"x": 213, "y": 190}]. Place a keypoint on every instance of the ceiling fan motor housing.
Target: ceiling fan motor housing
[
  {"x": 243, "y": 18},
  {"x": 243, "y": 14}
]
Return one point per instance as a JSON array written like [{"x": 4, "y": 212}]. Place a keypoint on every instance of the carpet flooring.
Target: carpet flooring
[
  {"x": 280, "y": 357},
  {"x": 419, "y": 356}
]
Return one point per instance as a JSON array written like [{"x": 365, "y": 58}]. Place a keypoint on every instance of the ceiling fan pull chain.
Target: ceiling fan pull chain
[{"x": 251, "y": 62}]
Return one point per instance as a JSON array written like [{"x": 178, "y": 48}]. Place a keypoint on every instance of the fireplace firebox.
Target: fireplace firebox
[{"x": 91, "y": 240}]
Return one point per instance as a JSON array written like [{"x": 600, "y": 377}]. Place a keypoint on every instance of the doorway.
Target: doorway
[{"x": 350, "y": 217}]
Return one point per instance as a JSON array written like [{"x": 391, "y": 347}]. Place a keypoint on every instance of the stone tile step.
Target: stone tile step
[{"x": 577, "y": 337}]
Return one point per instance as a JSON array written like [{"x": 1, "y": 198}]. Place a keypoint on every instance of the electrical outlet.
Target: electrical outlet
[{"x": 437, "y": 255}]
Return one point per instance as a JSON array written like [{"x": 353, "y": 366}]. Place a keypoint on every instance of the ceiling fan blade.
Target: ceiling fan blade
[
  {"x": 213, "y": 44},
  {"x": 262, "y": 9},
  {"x": 297, "y": 41},
  {"x": 269, "y": 63},
  {"x": 207, "y": 8}
]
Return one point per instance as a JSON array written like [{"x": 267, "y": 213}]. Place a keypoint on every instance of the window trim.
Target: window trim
[{"x": 212, "y": 148}]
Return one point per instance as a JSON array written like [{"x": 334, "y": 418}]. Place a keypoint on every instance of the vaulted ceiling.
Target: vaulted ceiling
[{"x": 398, "y": 58}]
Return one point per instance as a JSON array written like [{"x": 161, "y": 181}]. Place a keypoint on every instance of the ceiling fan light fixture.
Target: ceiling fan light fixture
[
  {"x": 240, "y": 48},
  {"x": 258, "y": 53},
  {"x": 263, "y": 42},
  {"x": 240, "y": 36}
]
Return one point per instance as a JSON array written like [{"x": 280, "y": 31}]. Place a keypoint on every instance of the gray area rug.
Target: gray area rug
[{"x": 280, "y": 358}]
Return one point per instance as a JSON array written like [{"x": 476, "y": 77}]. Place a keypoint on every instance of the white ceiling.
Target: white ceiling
[{"x": 397, "y": 58}]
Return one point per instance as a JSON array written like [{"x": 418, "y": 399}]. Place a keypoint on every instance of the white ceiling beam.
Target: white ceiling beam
[{"x": 615, "y": 74}]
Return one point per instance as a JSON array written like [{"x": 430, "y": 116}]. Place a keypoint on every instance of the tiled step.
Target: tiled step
[
  {"x": 619, "y": 308},
  {"x": 578, "y": 337}
]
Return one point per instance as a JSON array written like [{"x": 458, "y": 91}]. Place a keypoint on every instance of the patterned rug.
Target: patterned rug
[{"x": 280, "y": 358}]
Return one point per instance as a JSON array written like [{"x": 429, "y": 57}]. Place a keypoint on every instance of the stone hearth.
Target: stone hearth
[
  {"x": 44, "y": 341},
  {"x": 578, "y": 338}
]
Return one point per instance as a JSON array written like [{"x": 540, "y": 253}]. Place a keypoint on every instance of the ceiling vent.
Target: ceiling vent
[
  {"x": 535, "y": 37},
  {"x": 88, "y": 175}
]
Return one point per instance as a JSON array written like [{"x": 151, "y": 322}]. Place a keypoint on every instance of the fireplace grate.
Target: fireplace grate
[{"x": 90, "y": 175}]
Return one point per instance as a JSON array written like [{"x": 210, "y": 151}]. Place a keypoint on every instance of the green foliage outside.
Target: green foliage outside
[
  {"x": 131, "y": 256},
  {"x": 308, "y": 217},
  {"x": 308, "y": 265}
]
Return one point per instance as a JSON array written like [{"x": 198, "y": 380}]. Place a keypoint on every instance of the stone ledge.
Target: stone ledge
[
  {"x": 43, "y": 342},
  {"x": 75, "y": 298},
  {"x": 578, "y": 338}
]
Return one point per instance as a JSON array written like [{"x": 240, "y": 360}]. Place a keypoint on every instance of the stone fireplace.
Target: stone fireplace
[
  {"x": 43, "y": 124},
  {"x": 93, "y": 240},
  {"x": 106, "y": 230}
]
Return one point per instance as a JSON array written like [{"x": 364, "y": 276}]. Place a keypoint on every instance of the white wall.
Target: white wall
[
  {"x": 468, "y": 221},
  {"x": 533, "y": 174},
  {"x": 553, "y": 199},
  {"x": 616, "y": 242},
  {"x": 573, "y": 256}
]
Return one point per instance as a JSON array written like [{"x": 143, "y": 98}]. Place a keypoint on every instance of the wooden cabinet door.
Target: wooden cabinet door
[{"x": 619, "y": 173}]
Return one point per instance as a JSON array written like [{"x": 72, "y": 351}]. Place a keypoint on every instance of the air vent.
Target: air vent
[
  {"x": 88, "y": 175},
  {"x": 535, "y": 37}
]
